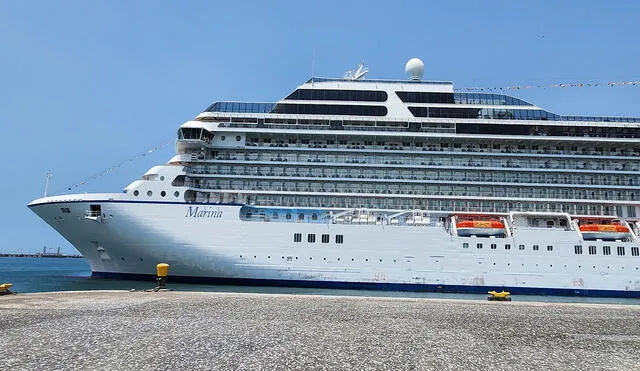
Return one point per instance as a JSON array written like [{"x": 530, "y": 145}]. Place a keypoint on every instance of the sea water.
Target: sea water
[{"x": 67, "y": 274}]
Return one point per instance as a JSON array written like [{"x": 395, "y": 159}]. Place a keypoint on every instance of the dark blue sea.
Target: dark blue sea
[{"x": 66, "y": 274}]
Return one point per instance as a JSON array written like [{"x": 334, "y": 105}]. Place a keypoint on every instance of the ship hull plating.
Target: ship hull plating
[{"x": 210, "y": 243}]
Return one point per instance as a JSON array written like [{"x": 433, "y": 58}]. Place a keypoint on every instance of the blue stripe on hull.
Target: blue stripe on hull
[{"x": 461, "y": 289}]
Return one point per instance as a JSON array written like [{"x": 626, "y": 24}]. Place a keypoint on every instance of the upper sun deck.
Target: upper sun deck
[{"x": 398, "y": 100}]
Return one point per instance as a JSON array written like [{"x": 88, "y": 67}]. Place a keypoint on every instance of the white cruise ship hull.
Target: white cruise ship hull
[{"x": 211, "y": 243}]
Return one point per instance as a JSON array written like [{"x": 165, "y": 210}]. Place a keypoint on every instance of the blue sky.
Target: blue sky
[{"x": 85, "y": 85}]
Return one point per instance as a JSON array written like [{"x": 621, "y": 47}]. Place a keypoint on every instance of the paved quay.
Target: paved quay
[{"x": 120, "y": 330}]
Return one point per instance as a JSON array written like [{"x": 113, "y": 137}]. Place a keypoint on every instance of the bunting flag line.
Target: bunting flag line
[
  {"x": 119, "y": 165},
  {"x": 561, "y": 85}
]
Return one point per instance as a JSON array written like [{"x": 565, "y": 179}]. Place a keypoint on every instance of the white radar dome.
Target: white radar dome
[{"x": 414, "y": 69}]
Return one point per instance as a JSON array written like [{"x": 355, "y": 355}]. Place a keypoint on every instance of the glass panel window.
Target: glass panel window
[
  {"x": 606, "y": 250},
  {"x": 621, "y": 250},
  {"x": 325, "y": 238},
  {"x": 311, "y": 238},
  {"x": 592, "y": 250},
  {"x": 507, "y": 247},
  {"x": 297, "y": 237},
  {"x": 578, "y": 249}
]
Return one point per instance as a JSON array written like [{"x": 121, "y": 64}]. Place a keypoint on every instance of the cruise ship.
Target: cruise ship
[{"x": 378, "y": 184}]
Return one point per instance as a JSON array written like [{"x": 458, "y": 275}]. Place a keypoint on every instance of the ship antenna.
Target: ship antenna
[
  {"x": 46, "y": 183},
  {"x": 313, "y": 66},
  {"x": 357, "y": 74}
]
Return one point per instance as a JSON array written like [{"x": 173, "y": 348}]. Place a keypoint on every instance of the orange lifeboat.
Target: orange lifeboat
[
  {"x": 480, "y": 228},
  {"x": 604, "y": 232}
]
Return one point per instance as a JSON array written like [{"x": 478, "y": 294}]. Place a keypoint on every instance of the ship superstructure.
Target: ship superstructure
[{"x": 389, "y": 171}]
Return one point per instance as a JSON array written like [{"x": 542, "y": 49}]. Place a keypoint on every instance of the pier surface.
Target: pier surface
[{"x": 187, "y": 330}]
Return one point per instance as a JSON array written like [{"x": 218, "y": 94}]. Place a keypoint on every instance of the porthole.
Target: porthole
[
  {"x": 163, "y": 193},
  {"x": 149, "y": 193},
  {"x": 162, "y": 177},
  {"x": 238, "y": 138},
  {"x": 140, "y": 259},
  {"x": 222, "y": 138},
  {"x": 176, "y": 193},
  {"x": 136, "y": 193}
]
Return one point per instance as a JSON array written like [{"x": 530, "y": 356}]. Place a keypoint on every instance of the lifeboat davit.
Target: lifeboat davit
[
  {"x": 481, "y": 228},
  {"x": 604, "y": 232}
]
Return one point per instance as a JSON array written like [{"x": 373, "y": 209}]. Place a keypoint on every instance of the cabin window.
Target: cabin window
[
  {"x": 465, "y": 245},
  {"x": 494, "y": 246},
  {"x": 301, "y": 217},
  {"x": 549, "y": 248},
  {"x": 65, "y": 210},
  {"x": 339, "y": 238},
  {"x": 479, "y": 245},
  {"x": 288, "y": 216},
  {"x": 536, "y": 247},
  {"x": 621, "y": 250},
  {"x": 314, "y": 217},
  {"x": 592, "y": 250},
  {"x": 520, "y": 247},
  {"x": 325, "y": 238},
  {"x": 606, "y": 250},
  {"x": 635, "y": 251},
  {"x": 507, "y": 247},
  {"x": 311, "y": 238},
  {"x": 297, "y": 237},
  {"x": 578, "y": 249}
]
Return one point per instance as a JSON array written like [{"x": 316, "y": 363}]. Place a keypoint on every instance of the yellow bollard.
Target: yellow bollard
[{"x": 162, "y": 271}]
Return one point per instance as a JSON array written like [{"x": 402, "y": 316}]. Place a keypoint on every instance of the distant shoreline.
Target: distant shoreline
[{"x": 39, "y": 255}]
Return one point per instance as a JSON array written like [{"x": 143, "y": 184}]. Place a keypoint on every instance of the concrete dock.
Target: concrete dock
[{"x": 187, "y": 330}]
